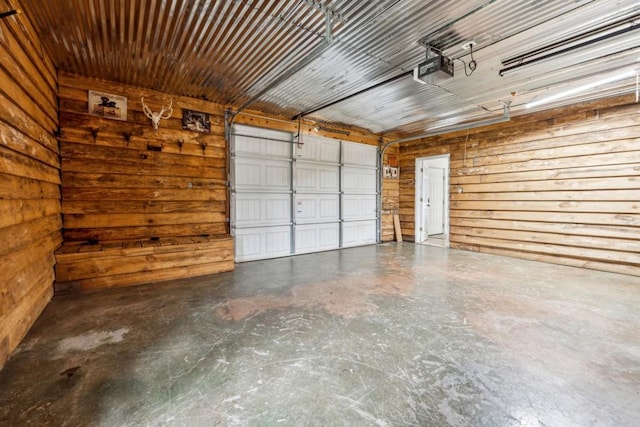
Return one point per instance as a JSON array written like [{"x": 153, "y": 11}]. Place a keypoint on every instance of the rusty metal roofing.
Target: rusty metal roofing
[{"x": 236, "y": 52}]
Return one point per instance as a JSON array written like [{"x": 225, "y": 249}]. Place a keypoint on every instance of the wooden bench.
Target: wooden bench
[{"x": 85, "y": 267}]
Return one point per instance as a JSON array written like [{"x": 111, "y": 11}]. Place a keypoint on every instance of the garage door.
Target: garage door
[
  {"x": 261, "y": 193},
  {"x": 290, "y": 198},
  {"x": 359, "y": 194},
  {"x": 317, "y": 195}
]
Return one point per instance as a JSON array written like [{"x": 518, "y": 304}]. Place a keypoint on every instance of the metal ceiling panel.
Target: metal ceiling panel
[
  {"x": 201, "y": 48},
  {"x": 232, "y": 51},
  {"x": 396, "y": 45}
]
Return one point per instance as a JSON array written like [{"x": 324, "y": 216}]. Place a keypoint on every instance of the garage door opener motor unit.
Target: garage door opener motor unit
[{"x": 434, "y": 70}]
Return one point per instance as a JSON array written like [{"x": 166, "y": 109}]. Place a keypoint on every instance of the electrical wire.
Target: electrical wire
[
  {"x": 472, "y": 64},
  {"x": 299, "y": 136}
]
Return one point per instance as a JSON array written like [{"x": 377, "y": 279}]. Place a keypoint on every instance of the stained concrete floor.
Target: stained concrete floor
[{"x": 380, "y": 335}]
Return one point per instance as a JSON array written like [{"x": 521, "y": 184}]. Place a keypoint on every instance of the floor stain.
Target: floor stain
[
  {"x": 348, "y": 298},
  {"x": 90, "y": 341}
]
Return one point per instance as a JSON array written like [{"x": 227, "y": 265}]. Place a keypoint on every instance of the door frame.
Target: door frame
[{"x": 440, "y": 161}]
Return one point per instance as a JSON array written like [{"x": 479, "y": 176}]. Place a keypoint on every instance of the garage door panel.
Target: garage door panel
[
  {"x": 329, "y": 179},
  {"x": 306, "y": 178},
  {"x": 358, "y": 233},
  {"x": 317, "y": 237},
  {"x": 306, "y": 209},
  {"x": 278, "y": 176},
  {"x": 356, "y": 207},
  {"x": 262, "y": 142},
  {"x": 319, "y": 149},
  {"x": 329, "y": 151},
  {"x": 359, "y": 154},
  {"x": 247, "y": 174},
  {"x": 253, "y": 147},
  {"x": 255, "y": 209},
  {"x": 262, "y": 243},
  {"x": 257, "y": 174},
  {"x": 329, "y": 207},
  {"x": 248, "y": 210},
  {"x": 317, "y": 207},
  {"x": 317, "y": 177},
  {"x": 278, "y": 210},
  {"x": 356, "y": 180}
]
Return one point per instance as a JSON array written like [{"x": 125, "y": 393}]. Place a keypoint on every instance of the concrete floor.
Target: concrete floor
[{"x": 379, "y": 335}]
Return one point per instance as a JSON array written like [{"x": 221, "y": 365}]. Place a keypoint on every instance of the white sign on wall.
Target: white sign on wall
[{"x": 107, "y": 105}]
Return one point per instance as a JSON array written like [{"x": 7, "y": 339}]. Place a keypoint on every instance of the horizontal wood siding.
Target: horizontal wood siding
[
  {"x": 84, "y": 268},
  {"x": 560, "y": 186},
  {"x": 123, "y": 183},
  {"x": 390, "y": 200},
  {"x": 115, "y": 189},
  {"x": 30, "y": 224}
]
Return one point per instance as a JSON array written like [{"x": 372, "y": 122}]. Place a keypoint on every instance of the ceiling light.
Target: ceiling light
[{"x": 582, "y": 88}]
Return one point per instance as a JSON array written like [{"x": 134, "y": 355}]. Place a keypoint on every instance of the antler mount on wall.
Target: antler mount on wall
[{"x": 155, "y": 117}]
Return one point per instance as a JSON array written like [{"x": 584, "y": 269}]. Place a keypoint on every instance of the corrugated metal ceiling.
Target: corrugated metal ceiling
[{"x": 230, "y": 51}]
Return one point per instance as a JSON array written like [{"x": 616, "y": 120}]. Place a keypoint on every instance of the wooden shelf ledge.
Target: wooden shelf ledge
[{"x": 84, "y": 267}]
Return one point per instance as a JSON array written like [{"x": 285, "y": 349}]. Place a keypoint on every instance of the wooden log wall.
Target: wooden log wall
[
  {"x": 131, "y": 182},
  {"x": 30, "y": 225},
  {"x": 559, "y": 186},
  {"x": 390, "y": 199},
  {"x": 124, "y": 181}
]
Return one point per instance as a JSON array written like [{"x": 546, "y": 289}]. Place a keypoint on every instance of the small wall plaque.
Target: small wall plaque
[
  {"x": 196, "y": 120},
  {"x": 107, "y": 105}
]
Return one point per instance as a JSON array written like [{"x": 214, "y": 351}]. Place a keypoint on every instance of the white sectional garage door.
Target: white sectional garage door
[
  {"x": 359, "y": 194},
  {"x": 317, "y": 195},
  {"x": 290, "y": 198},
  {"x": 261, "y": 193}
]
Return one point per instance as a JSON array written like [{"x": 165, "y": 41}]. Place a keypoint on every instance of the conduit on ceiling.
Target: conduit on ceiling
[
  {"x": 585, "y": 39},
  {"x": 506, "y": 116}
]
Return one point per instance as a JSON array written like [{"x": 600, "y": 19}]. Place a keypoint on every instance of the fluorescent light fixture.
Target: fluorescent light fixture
[{"x": 583, "y": 88}]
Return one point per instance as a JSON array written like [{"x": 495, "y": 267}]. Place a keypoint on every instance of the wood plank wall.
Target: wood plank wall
[
  {"x": 30, "y": 226},
  {"x": 390, "y": 200},
  {"x": 559, "y": 186},
  {"x": 114, "y": 189}
]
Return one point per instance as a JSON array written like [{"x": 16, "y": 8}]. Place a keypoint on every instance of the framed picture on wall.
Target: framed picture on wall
[
  {"x": 107, "y": 105},
  {"x": 196, "y": 120}
]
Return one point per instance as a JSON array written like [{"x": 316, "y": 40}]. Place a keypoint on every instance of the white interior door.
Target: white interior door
[
  {"x": 435, "y": 201},
  {"x": 424, "y": 202},
  {"x": 432, "y": 216}
]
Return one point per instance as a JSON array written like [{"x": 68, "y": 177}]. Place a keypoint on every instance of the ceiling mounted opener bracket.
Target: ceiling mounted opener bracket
[{"x": 330, "y": 16}]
